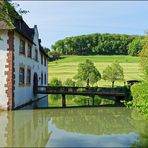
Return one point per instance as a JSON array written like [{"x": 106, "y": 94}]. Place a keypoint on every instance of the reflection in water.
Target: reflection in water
[{"x": 70, "y": 127}]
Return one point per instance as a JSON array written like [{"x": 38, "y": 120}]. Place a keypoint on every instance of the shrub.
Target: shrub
[
  {"x": 69, "y": 82},
  {"x": 140, "y": 97},
  {"x": 55, "y": 82}
]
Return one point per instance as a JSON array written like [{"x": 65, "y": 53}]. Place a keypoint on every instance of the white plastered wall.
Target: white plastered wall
[
  {"x": 24, "y": 94},
  {"x": 3, "y": 59}
]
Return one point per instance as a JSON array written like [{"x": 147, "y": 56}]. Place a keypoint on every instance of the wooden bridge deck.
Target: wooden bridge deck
[
  {"x": 117, "y": 93},
  {"x": 66, "y": 90}
]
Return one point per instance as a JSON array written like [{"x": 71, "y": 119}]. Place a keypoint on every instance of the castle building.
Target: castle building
[{"x": 23, "y": 64}]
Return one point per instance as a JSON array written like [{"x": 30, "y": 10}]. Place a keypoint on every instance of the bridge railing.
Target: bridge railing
[{"x": 58, "y": 89}]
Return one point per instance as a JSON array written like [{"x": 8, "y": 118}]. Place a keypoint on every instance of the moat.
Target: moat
[{"x": 73, "y": 127}]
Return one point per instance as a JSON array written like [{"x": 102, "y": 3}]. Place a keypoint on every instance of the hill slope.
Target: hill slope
[{"x": 67, "y": 67}]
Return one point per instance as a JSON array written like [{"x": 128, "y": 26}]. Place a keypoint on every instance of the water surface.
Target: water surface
[{"x": 73, "y": 127}]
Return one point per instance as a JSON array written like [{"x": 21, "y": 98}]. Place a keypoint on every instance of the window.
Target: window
[
  {"x": 28, "y": 76},
  {"x": 41, "y": 58},
  {"x": 41, "y": 78},
  {"x": 36, "y": 55},
  {"x": 45, "y": 79},
  {"x": 29, "y": 51},
  {"x": 21, "y": 75},
  {"x": 22, "y": 47},
  {"x": 44, "y": 60}
]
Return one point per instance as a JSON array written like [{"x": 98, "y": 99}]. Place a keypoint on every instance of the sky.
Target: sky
[{"x": 59, "y": 19}]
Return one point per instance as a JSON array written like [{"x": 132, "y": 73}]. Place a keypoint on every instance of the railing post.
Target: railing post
[{"x": 63, "y": 100}]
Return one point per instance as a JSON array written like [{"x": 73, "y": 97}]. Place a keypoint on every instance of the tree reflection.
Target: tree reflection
[{"x": 32, "y": 128}]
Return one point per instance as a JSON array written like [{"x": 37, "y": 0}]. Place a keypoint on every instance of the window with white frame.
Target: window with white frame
[
  {"x": 28, "y": 78},
  {"x": 21, "y": 75}
]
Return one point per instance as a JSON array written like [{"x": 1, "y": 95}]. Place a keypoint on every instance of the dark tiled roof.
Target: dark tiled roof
[{"x": 21, "y": 27}]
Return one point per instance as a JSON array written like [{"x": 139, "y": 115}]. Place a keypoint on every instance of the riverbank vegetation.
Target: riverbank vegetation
[{"x": 140, "y": 91}]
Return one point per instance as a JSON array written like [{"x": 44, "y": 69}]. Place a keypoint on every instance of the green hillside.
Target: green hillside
[{"x": 67, "y": 67}]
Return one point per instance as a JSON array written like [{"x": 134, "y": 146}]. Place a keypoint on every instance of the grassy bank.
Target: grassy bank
[{"x": 67, "y": 67}]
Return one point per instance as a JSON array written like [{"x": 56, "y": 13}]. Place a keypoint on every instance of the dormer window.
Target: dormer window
[{"x": 22, "y": 47}]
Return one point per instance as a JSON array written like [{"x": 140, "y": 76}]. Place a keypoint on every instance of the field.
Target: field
[{"x": 67, "y": 67}]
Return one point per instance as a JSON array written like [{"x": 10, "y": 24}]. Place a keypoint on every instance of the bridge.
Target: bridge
[{"x": 118, "y": 93}]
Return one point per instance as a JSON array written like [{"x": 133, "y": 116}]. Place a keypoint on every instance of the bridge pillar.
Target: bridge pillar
[
  {"x": 93, "y": 100},
  {"x": 63, "y": 100}
]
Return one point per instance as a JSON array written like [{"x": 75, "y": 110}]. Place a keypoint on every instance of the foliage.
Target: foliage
[
  {"x": 105, "y": 101},
  {"x": 69, "y": 82},
  {"x": 144, "y": 58},
  {"x": 94, "y": 44},
  {"x": 113, "y": 72},
  {"x": 67, "y": 67},
  {"x": 55, "y": 82},
  {"x": 135, "y": 46},
  {"x": 140, "y": 91},
  {"x": 79, "y": 83},
  {"x": 8, "y": 12},
  {"x": 85, "y": 100},
  {"x": 88, "y": 73},
  {"x": 140, "y": 97},
  {"x": 54, "y": 55}
]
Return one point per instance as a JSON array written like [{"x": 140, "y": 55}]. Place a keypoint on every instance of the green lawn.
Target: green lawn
[{"x": 67, "y": 67}]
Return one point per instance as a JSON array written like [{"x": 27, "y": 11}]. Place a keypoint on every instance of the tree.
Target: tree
[
  {"x": 135, "y": 47},
  {"x": 144, "y": 57},
  {"x": 90, "y": 44},
  {"x": 139, "y": 91},
  {"x": 88, "y": 73},
  {"x": 113, "y": 72},
  {"x": 8, "y": 12}
]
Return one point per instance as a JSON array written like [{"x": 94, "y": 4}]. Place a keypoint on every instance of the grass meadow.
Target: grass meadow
[{"x": 67, "y": 67}]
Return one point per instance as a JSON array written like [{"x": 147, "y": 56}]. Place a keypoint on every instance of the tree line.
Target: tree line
[{"x": 102, "y": 44}]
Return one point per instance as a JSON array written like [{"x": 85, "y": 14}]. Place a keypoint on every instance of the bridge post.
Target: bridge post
[
  {"x": 93, "y": 100},
  {"x": 63, "y": 100}
]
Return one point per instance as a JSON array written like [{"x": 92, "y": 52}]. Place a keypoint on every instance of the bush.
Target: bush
[
  {"x": 55, "y": 82},
  {"x": 69, "y": 82},
  {"x": 140, "y": 97}
]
